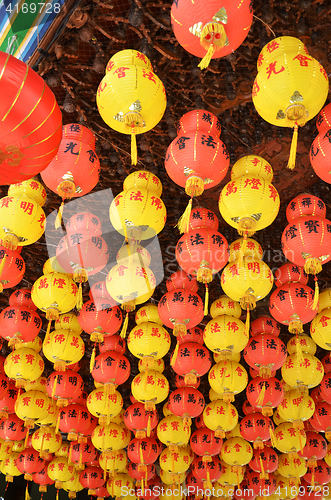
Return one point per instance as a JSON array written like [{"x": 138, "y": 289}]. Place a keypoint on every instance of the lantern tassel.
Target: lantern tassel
[
  {"x": 260, "y": 399},
  {"x": 293, "y": 150},
  {"x": 295, "y": 326},
  {"x": 27, "y": 496},
  {"x": 149, "y": 425},
  {"x": 58, "y": 220},
  {"x": 175, "y": 354},
  {"x": 206, "y": 299},
  {"x": 92, "y": 360},
  {"x": 57, "y": 421},
  {"x": 263, "y": 474},
  {"x": 134, "y": 157},
  {"x": 183, "y": 223},
  {"x": 79, "y": 301},
  {"x": 2, "y": 265},
  {"x": 125, "y": 326},
  {"x": 316, "y": 294},
  {"x": 247, "y": 322},
  {"x": 242, "y": 250},
  {"x": 26, "y": 438},
  {"x": 54, "y": 386},
  {"x": 204, "y": 63},
  {"x": 211, "y": 29}
]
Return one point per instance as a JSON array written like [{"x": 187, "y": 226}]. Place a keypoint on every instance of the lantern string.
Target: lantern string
[
  {"x": 260, "y": 399},
  {"x": 92, "y": 360},
  {"x": 316, "y": 294},
  {"x": 27, "y": 496},
  {"x": 242, "y": 250},
  {"x": 2, "y": 265},
  {"x": 125, "y": 325},
  {"x": 175, "y": 354},
  {"x": 206, "y": 299},
  {"x": 293, "y": 150},
  {"x": 184, "y": 219},
  {"x": 58, "y": 219},
  {"x": 247, "y": 323}
]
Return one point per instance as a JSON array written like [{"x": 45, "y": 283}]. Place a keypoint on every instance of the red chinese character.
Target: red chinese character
[
  {"x": 60, "y": 282},
  {"x": 40, "y": 403},
  {"x": 175, "y": 426},
  {"x": 231, "y": 188},
  {"x": 26, "y": 401},
  {"x": 150, "y": 380},
  {"x": 157, "y": 202},
  {"x": 291, "y": 431},
  {"x": 61, "y": 466},
  {"x": 141, "y": 56},
  {"x": 260, "y": 60},
  {"x": 255, "y": 162},
  {"x": 273, "y": 45},
  {"x": 43, "y": 283},
  {"x": 27, "y": 207},
  {"x": 272, "y": 69},
  {"x": 324, "y": 73},
  {"x": 41, "y": 220},
  {"x": 215, "y": 328},
  {"x": 16, "y": 358},
  {"x": 138, "y": 333},
  {"x": 255, "y": 89},
  {"x": 121, "y": 71},
  {"x": 98, "y": 396},
  {"x": 303, "y": 60},
  {"x": 155, "y": 332},
  {"x": 273, "y": 192},
  {"x": 163, "y": 427},
  {"x": 5, "y": 201},
  {"x": 73, "y": 289},
  {"x": 142, "y": 175},
  {"x": 253, "y": 183},
  {"x": 161, "y": 382},
  {"x": 324, "y": 320},
  {"x": 254, "y": 267},
  {"x": 232, "y": 325},
  {"x": 29, "y": 359},
  {"x": 74, "y": 342},
  {"x": 136, "y": 196},
  {"x": 59, "y": 338},
  {"x": 239, "y": 370},
  {"x": 234, "y": 270},
  {"x": 120, "y": 270},
  {"x": 33, "y": 185},
  {"x": 149, "y": 75}
]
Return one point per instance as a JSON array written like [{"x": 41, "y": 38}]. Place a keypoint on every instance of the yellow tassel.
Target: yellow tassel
[
  {"x": 125, "y": 326},
  {"x": 141, "y": 456},
  {"x": 57, "y": 421},
  {"x": 206, "y": 300},
  {"x": 316, "y": 295},
  {"x": 208, "y": 482},
  {"x": 184, "y": 220},
  {"x": 272, "y": 437},
  {"x": 58, "y": 220},
  {"x": 134, "y": 157},
  {"x": 204, "y": 63},
  {"x": 26, "y": 438},
  {"x": 149, "y": 425},
  {"x": 299, "y": 350},
  {"x": 263, "y": 474},
  {"x": 54, "y": 386},
  {"x": 27, "y": 496},
  {"x": 247, "y": 323},
  {"x": 175, "y": 354},
  {"x": 57, "y": 494},
  {"x": 242, "y": 250},
  {"x": 293, "y": 150},
  {"x": 70, "y": 454},
  {"x": 260, "y": 399},
  {"x": 92, "y": 360},
  {"x": 79, "y": 301},
  {"x": 2, "y": 265}
]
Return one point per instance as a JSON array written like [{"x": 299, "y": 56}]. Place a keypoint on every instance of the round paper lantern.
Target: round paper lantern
[
  {"x": 211, "y": 32},
  {"x": 179, "y": 280},
  {"x": 261, "y": 485},
  {"x": 236, "y": 451},
  {"x": 91, "y": 478},
  {"x": 173, "y": 432},
  {"x": 320, "y": 329},
  {"x": 284, "y": 63},
  {"x": 321, "y": 474},
  {"x": 256, "y": 428},
  {"x": 100, "y": 318},
  {"x": 205, "y": 443},
  {"x": 302, "y": 371},
  {"x": 45, "y": 440},
  {"x": 220, "y": 417},
  {"x": 60, "y": 471},
  {"x": 265, "y": 393},
  {"x": 108, "y": 437},
  {"x": 28, "y": 462},
  {"x": 111, "y": 368},
  {"x": 63, "y": 348},
  {"x": 289, "y": 439},
  {"x": 76, "y": 420},
  {"x": 73, "y": 485},
  {"x": 302, "y": 343},
  {"x": 12, "y": 268},
  {"x": 130, "y": 75},
  {"x": 264, "y": 324},
  {"x": 113, "y": 461},
  {"x": 150, "y": 388},
  {"x": 321, "y": 419},
  {"x": 192, "y": 360},
  {"x": 103, "y": 405},
  {"x": 225, "y": 335},
  {"x": 225, "y": 306},
  {"x": 319, "y": 153},
  {"x": 139, "y": 420},
  {"x": 64, "y": 386},
  {"x": 19, "y": 325},
  {"x": 13, "y": 428},
  {"x": 207, "y": 472},
  {"x": 186, "y": 402},
  {"x": 143, "y": 452},
  {"x": 42, "y": 479},
  {"x": 30, "y": 121},
  {"x": 315, "y": 449},
  {"x": 231, "y": 476},
  {"x": 264, "y": 461},
  {"x": 265, "y": 352},
  {"x": 121, "y": 484},
  {"x": 296, "y": 407},
  {"x": 180, "y": 310},
  {"x": 148, "y": 341},
  {"x": 8, "y": 467},
  {"x": 228, "y": 378},
  {"x": 32, "y": 406},
  {"x": 24, "y": 364}
]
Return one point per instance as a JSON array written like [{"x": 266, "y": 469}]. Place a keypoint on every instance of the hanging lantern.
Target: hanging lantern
[
  {"x": 119, "y": 483},
  {"x": 302, "y": 371},
  {"x": 100, "y": 318},
  {"x": 150, "y": 388},
  {"x": 265, "y": 324},
  {"x": 198, "y": 145},
  {"x": 111, "y": 369},
  {"x": 22, "y": 219},
  {"x": 131, "y": 99},
  {"x": 220, "y": 417},
  {"x": 210, "y": 31},
  {"x": 205, "y": 443},
  {"x": 179, "y": 280},
  {"x": 60, "y": 471},
  {"x": 236, "y": 451},
  {"x": 296, "y": 407},
  {"x": 8, "y": 401},
  {"x": 264, "y": 461},
  {"x": 103, "y": 405},
  {"x": 228, "y": 378},
  {"x": 256, "y": 428},
  {"x": 75, "y": 420},
  {"x": 289, "y": 439},
  {"x": 192, "y": 360},
  {"x": 72, "y": 486},
  {"x": 12, "y": 268},
  {"x": 63, "y": 347},
  {"x": 231, "y": 476},
  {"x": 45, "y": 440},
  {"x": 180, "y": 310},
  {"x": 13, "y": 428},
  {"x": 112, "y": 343},
  {"x": 110, "y": 437},
  {"x": 265, "y": 352},
  {"x": 156, "y": 364},
  {"x": 319, "y": 475},
  {"x": 32, "y": 406},
  {"x": 186, "y": 402},
  {"x": 225, "y": 306},
  {"x": 139, "y": 420},
  {"x": 293, "y": 468},
  {"x": 23, "y": 364},
  {"x": 320, "y": 152},
  {"x": 321, "y": 419},
  {"x": 265, "y": 393},
  {"x": 42, "y": 479},
  {"x": 8, "y": 467},
  {"x": 28, "y": 462},
  {"x": 285, "y": 88},
  {"x": 249, "y": 202},
  {"x": 99, "y": 290},
  {"x": 30, "y": 121},
  {"x": 148, "y": 341},
  {"x": 320, "y": 325},
  {"x": 113, "y": 461},
  {"x": 91, "y": 478},
  {"x": 208, "y": 472},
  {"x": 260, "y": 485},
  {"x": 316, "y": 448},
  {"x": 143, "y": 452},
  {"x": 302, "y": 343},
  {"x": 173, "y": 432},
  {"x": 19, "y": 324},
  {"x": 180, "y": 382},
  {"x": 64, "y": 386}
]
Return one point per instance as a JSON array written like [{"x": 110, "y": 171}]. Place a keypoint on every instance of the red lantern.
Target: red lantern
[
  {"x": 186, "y": 402},
  {"x": 112, "y": 343},
  {"x": 111, "y": 367},
  {"x": 265, "y": 393},
  {"x": 305, "y": 204},
  {"x": 326, "y": 362},
  {"x": 243, "y": 492},
  {"x": 321, "y": 419},
  {"x": 193, "y": 360},
  {"x": 319, "y": 155},
  {"x": 30, "y": 122},
  {"x": 22, "y": 297},
  {"x": 180, "y": 309},
  {"x": 143, "y": 451},
  {"x": 13, "y": 428},
  {"x": 208, "y": 31},
  {"x": 92, "y": 478},
  {"x": 7, "y": 403},
  {"x": 315, "y": 395},
  {"x": 256, "y": 428},
  {"x": 199, "y": 422},
  {"x": 265, "y": 324},
  {"x": 180, "y": 280},
  {"x": 205, "y": 444},
  {"x": 207, "y": 471},
  {"x": 77, "y": 132},
  {"x": 141, "y": 475},
  {"x": 19, "y": 324},
  {"x": 151, "y": 490},
  {"x": 261, "y": 486},
  {"x": 256, "y": 373},
  {"x": 290, "y": 272},
  {"x": 99, "y": 291},
  {"x": 323, "y": 120},
  {"x": 320, "y": 474},
  {"x": 266, "y": 353},
  {"x": 314, "y": 449},
  {"x": 64, "y": 386},
  {"x": 325, "y": 388},
  {"x": 82, "y": 453},
  {"x": 42, "y": 479},
  {"x": 139, "y": 420},
  {"x": 75, "y": 419},
  {"x": 191, "y": 335},
  {"x": 248, "y": 409},
  {"x": 28, "y": 462},
  {"x": 12, "y": 268},
  {"x": 99, "y": 318},
  {"x": 264, "y": 461}
]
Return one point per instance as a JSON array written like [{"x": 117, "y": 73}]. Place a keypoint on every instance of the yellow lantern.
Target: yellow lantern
[
  {"x": 8, "y": 466},
  {"x": 155, "y": 364},
  {"x": 121, "y": 485},
  {"x": 172, "y": 432},
  {"x": 31, "y": 406},
  {"x": 171, "y": 478},
  {"x": 52, "y": 412},
  {"x": 104, "y": 405},
  {"x": 320, "y": 329},
  {"x": 23, "y": 365},
  {"x": 22, "y": 220},
  {"x": 277, "y": 418},
  {"x": 125, "y": 434},
  {"x": 231, "y": 475},
  {"x": 148, "y": 312},
  {"x": 63, "y": 347},
  {"x": 288, "y": 439},
  {"x": 68, "y": 321},
  {"x": 290, "y": 88},
  {"x": 249, "y": 202},
  {"x": 52, "y": 266},
  {"x": 6, "y": 447},
  {"x": 60, "y": 471},
  {"x": 31, "y": 188},
  {"x": 35, "y": 344},
  {"x": 225, "y": 335},
  {"x": 293, "y": 468},
  {"x": 222, "y": 490},
  {"x": 304, "y": 371},
  {"x": 113, "y": 461},
  {"x": 73, "y": 485},
  {"x": 228, "y": 378},
  {"x": 131, "y": 98},
  {"x": 296, "y": 407},
  {"x": 234, "y": 432},
  {"x": 165, "y": 409},
  {"x": 150, "y": 388},
  {"x": 251, "y": 249},
  {"x": 236, "y": 451},
  {"x": 46, "y": 440},
  {"x": 220, "y": 417},
  {"x": 148, "y": 341},
  {"x": 36, "y": 385},
  {"x": 110, "y": 437},
  {"x": 225, "y": 305},
  {"x": 174, "y": 461},
  {"x": 301, "y": 343},
  {"x": 324, "y": 300},
  {"x": 63, "y": 451},
  {"x": 285, "y": 489},
  {"x": 54, "y": 293}
]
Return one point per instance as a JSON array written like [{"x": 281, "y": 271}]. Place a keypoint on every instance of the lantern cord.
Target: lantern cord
[
  {"x": 293, "y": 150},
  {"x": 298, "y": 349},
  {"x": 92, "y": 360},
  {"x": 48, "y": 327},
  {"x": 58, "y": 421},
  {"x": 175, "y": 354},
  {"x": 58, "y": 220},
  {"x": 57, "y": 494},
  {"x": 206, "y": 299},
  {"x": 316, "y": 294},
  {"x": 260, "y": 399},
  {"x": 134, "y": 158},
  {"x": 54, "y": 386},
  {"x": 242, "y": 250},
  {"x": 247, "y": 323},
  {"x": 26, "y": 438},
  {"x": 27, "y": 496},
  {"x": 70, "y": 453},
  {"x": 149, "y": 425},
  {"x": 183, "y": 223},
  {"x": 2, "y": 265},
  {"x": 125, "y": 325},
  {"x": 80, "y": 454}
]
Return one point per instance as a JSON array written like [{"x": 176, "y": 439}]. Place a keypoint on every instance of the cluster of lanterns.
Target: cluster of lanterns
[{"x": 51, "y": 430}]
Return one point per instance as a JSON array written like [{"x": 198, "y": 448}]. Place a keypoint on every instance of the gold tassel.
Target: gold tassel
[
  {"x": 133, "y": 120},
  {"x": 58, "y": 220},
  {"x": 48, "y": 328},
  {"x": 125, "y": 326},
  {"x": 260, "y": 399},
  {"x": 204, "y": 63},
  {"x": 204, "y": 274},
  {"x": 175, "y": 354},
  {"x": 2, "y": 265},
  {"x": 217, "y": 43},
  {"x": 316, "y": 294},
  {"x": 293, "y": 150},
  {"x": 58, "y": 421},
  {"x": 247, "y": 323},
  {"x": 206, "y": 300},
  {"x": 183, "y": 223},
  {"x": 242, "y": 250},
  {"x": 134, "y": 157},
  {"x": 79, "y": 301},
  {"x": 26, "y": 438},
  {"x": 27, "y": 496},
  {"x": 149, "y": 425},
  {"x": 54, "y": 386},
  {"x": 263, "y": 474},
  {"x": 92, "y": 360}
]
